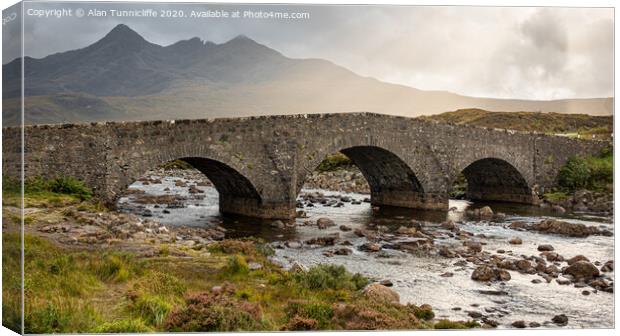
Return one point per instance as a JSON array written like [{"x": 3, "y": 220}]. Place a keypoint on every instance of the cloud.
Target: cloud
[{"x": 508, "y": 52}]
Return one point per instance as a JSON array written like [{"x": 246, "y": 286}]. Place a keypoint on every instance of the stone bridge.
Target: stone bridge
[{"x": 259, "y": 164}]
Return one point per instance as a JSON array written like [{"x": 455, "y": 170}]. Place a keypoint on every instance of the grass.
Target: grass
[
  {"x": 96, "y": 291},
  {"x": 57, "y": 192},
  {"x": 557, "y": 196},
  {"x": 63, "y": 289},
  {"x": 71, "y": 291},
  {"x": 582, "y": 125}
]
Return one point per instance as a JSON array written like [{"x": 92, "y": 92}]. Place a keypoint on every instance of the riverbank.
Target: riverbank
[{"x": 93, "y": 270}]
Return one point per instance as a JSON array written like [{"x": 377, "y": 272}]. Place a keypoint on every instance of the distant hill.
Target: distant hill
[
  {"x": 581, "y": 125},
  {"x": 123, "y": 76}
]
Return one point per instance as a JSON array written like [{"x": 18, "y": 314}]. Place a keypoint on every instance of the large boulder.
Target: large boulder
[
  {"x": 562, "y": 228},
  {"x": 582, "y": 270},
  {"x": 380, "y": 293}
]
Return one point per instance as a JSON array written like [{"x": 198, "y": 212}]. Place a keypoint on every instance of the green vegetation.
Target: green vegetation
[
  {"x": 459, "y": 187},
  {"x": 334, "y": 162},
  {"x": 70, "y": 291},
  {"x": 330, "y": 277},
  {"x": 176, "y": 164},
  {"x": 44, "y": 188},
  {"x": 582, "y": 125},
  {"x": 591, "y": 172},
  {"x": 447, "y": 324},
  {"x": 557, "y": 196},
  {"x": 123, "y": 326}
]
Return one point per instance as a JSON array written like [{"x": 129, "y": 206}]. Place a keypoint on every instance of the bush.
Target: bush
[
  {"x": 70, "y": 186},
  {"x": 334, "y": 162},
  {"x": 215, "y": 312},
  {"x": 334, "y": 277},
  {"x": 575, "y": 174},
  {"x": 123, "y": 326},
  {"x": 236, "y": 265},
  {"x": 319, "y": 312},
  {"x": 592, "y": 172},
  {"x": 447, "y": 324}
]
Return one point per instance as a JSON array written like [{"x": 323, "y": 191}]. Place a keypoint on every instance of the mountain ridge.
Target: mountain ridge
[{"x": 192, "y": 78}]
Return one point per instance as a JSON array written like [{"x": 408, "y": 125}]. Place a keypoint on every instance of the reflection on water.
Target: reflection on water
[{"x": 417, "y": 277}]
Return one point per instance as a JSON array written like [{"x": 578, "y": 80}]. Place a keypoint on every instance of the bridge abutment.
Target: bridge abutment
[
  {"x": 252, "y": 208},
  {"x": 409, "y": 199},
  {"x": 502, "y": 195}
]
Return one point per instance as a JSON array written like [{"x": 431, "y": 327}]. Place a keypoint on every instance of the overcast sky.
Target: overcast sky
[{"x": 512, "y": 52}]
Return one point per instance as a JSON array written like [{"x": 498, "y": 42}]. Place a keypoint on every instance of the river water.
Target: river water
[{"x": 416, "y": 277}]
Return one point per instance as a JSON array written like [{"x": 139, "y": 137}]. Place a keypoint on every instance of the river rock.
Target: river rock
[
  {"x": 488, "y": 273},
  {"x": 582, "y": 270},
  {"x": 486, "y": 212},
  {"x": 608, "y": 266},
  {"x": 277, "y": 224},
  {"x": 360, "y": 232},
  {"x": 343, "y": 251},
  {"x": 560, "y": 320},
  {"x": 515, "y": 241},
  {"x": 558, "y": 208},
  {"x": 446, "y": 252},
  {"x": 473, "y": 246},
  {"x": 370, "y": 247},
  {"x": 293, "y": 244},
  {"x": 325, "y": 240},
  {"x": 577, "y": 258},
  {"x": 525, "y": 266},
  {"x": 386, "y": 283},
  {"x": 449, "y": 225},
  {"x": 406, "y": 231},
  {"x": 519, "y": 324},
  {"x": 560, "y": 227},
  {"x": 324, "y": 222},
  {"x": 298, "y": 268},
  {"x": 545, "y": 247},
  {"x": 345, "y": 228},
  {"x": 380, "y": 293}
]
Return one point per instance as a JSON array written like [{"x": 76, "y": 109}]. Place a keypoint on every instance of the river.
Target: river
[{"x": 417, "y": 276}]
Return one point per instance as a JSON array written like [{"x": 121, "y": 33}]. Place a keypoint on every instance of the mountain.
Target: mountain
[
  {"x": 552, "y": 123},
  {"x": 125, "y": 77}
]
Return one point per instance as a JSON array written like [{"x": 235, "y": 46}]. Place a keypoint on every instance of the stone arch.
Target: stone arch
[
  {"x": 392, "y": 179},
  {"x": 494, "y": 179},
  {"x": 241, "y": 189}
]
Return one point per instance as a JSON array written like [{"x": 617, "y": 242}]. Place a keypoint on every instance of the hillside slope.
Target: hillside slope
[{"x": 581, "y": 125}]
